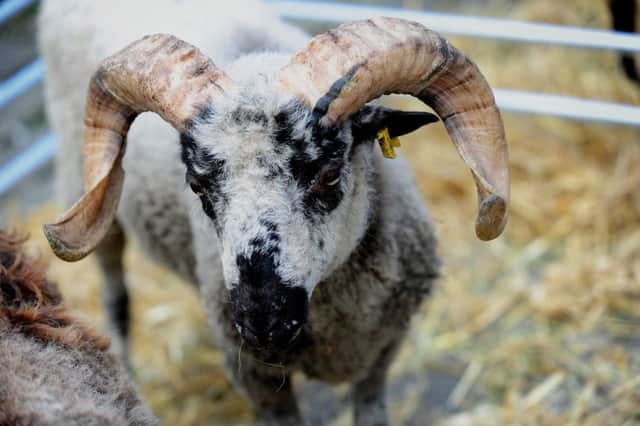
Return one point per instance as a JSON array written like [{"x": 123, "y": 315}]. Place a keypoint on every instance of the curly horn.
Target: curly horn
[
  {"x": 344, "y": 68},
  {"x": 158, "y": 73}
]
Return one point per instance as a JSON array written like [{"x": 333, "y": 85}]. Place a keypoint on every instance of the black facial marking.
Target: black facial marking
[
  {"x": 283, "y": 127},
  {"x": 271, "y": 227},
  {"x": 320, "y": 147},
  {"x": 189, "y": 147},
  {"x": 319, "y": 198},
  {"x": 268, "y": 312},
  {"x": 322, "y": 203},
  {"x": 312, "y": 151},
  {"x": 274, "y": 238},
  {"x": 206, "y": 185},
  {"x": 259, "y": 270},
  {"x": 284, "y": 121},
  {"x": 266, "y": 246},
  {"x": 195, "y": 157},
  {"x": 273, "y": 171},
  {"x": 244, "y": 115},
  {"x": 203, "y": 114},
  {"x": 304, "y": 168}
]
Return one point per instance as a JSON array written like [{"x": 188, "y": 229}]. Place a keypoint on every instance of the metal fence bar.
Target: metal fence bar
[
  {"x": 10, "y": 8},
  {"x": 567, "y": 107},
  {"x": 29, "y": 160},
  {"x": 501, "y": 29},
  {"x": 19, "y": 83},
  {"x": 454, "y": 24},
  {"x": 509, "y": 100}
]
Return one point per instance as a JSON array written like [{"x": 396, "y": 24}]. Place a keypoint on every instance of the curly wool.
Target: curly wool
[{"x": 54, "y": 368}]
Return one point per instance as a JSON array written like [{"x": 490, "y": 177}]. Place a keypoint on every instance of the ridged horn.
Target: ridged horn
[
  {"x": 342, "y": 69},
  {"x": 158, "y": 73}
]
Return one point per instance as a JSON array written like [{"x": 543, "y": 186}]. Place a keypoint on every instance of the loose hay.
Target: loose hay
[{"x": 541, "y": 327}]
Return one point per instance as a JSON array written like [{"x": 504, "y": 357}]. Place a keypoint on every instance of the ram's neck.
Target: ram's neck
[{"x": 398, "y": 227}]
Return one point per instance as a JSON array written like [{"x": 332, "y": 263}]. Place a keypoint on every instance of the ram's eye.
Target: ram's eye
[
  {"x": 194, "y": 185},
  {"x": 328, "y": 177}
]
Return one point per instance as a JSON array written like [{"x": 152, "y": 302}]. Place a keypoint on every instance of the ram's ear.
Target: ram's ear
[{"x": 372, "y": 118}]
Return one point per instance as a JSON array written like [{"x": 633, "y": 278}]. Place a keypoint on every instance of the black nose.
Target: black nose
[
  {"x": 269, "y": 322},
  {"x": 276, "y": 339},
  {"x": 268, "y": 312}
]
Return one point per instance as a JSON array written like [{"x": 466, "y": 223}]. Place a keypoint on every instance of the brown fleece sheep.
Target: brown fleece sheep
[{"x": 54, "y": 369}]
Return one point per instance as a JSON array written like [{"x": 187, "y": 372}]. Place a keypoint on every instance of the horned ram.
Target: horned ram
[{"x": 260, "y": 179}]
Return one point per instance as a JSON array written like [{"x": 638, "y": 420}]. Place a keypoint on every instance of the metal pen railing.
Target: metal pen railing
[
  {"x": 20, "y": 83},
  {"x": 10, "y": 8},
  {"x": 464, "y": 25}
]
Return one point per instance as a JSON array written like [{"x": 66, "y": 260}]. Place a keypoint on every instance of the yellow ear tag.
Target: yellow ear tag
[{"x": 387, "y": 144}]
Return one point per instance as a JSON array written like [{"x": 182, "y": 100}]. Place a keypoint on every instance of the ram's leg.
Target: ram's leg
[
  {"x": 269, "y": 390},
  {"x": 368, "y": 394},
  {"x": 110, "y": 254}
]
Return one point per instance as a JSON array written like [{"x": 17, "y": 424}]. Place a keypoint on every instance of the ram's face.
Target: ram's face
[
  {"x": 286, "y": 206},
  {"x": 285, "y": 189},
  {"x": 288, "y": 201}
]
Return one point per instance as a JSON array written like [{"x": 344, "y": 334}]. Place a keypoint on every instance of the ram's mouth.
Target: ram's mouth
[{"x": 275, "y": 340}]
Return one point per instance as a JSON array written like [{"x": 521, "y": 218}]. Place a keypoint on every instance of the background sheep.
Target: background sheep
[
  {"x": 55, "y": 369},
  {"x": 293, "y": 189}
]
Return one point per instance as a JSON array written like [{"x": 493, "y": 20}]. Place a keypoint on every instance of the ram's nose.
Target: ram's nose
[{"x": 269, "y": 325}]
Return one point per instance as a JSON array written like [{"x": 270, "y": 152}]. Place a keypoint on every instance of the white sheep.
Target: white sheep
[
  {"x": 54, "y": 369},
  {"x": 310, "y": 249}
]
